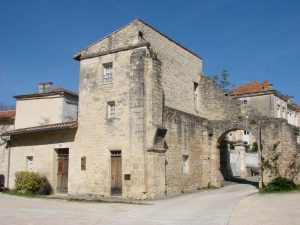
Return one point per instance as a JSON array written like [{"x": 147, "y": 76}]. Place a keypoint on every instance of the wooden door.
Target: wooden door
[
  {"x": 62, "y": 172},
  {"x": 116, "y": 174}
]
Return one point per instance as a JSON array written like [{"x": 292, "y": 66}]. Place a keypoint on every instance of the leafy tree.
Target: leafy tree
[
  {"x": 222, "y": 80},
  {"x": 4, "y": 106}
]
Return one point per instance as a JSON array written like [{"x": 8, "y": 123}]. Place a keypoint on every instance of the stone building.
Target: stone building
[
  {"x": 150, "y": 124},
  {"x": 45, "y": 123},
  {"x": 268, "y": 102},
  {"x": 7, "y": 119}
]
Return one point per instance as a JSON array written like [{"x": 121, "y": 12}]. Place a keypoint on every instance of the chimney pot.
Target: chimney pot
[{"x": 45, "y": 87}]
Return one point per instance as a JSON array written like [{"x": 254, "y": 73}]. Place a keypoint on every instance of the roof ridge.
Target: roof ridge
[{"x": 76, "y": 55}]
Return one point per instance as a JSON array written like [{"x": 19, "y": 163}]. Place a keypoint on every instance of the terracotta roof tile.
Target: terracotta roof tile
[
  {"x": 50, "y": 127},
  {"x": 8, "y": 115},
  {"x": 252, "y": 87}
]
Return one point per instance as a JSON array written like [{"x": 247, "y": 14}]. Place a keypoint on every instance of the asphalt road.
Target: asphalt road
[{"x": 204, "y": 207}]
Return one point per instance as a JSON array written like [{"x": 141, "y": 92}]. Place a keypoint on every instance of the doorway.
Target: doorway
[
  {"x": 116, "y": 173},
  {"x": 62, "y": 170}
]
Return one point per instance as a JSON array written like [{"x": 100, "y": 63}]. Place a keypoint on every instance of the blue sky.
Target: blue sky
[{"x": 254, "y": 40}]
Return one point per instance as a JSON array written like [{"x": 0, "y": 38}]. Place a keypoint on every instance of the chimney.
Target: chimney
[
  {"x": 45, "y": 87},
  {"x": 267, "y": 86}
]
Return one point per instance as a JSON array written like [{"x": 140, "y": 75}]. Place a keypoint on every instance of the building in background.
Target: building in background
[
  {"x": 48, "y": 106},
  {"x": 7, "y": 122}
]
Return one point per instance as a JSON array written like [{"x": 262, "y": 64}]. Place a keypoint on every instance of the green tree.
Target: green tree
[{"x": 222, "y": 80}]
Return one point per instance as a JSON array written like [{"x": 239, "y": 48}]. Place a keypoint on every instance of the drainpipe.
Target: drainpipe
[{"x": 8, "y": 160}]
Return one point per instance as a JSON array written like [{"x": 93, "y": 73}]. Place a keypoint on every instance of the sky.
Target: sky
[{"x": 254, "y": 40}]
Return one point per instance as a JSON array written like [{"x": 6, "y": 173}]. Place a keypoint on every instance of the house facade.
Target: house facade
[
  {"x": 44, "y": 125},
  {"x": 149, "y": 122}
]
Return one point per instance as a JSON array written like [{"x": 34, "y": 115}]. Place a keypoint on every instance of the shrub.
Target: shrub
[
  {"x": 32, "y": 182},
  {"x": 254, "y": 147},
  {"x": 45, "y": 188},
  {"x": 280, "y": 184}
]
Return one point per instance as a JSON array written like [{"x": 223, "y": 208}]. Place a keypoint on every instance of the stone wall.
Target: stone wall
[
  {"x": 41, "y": 146},
  {"x": 187, "y": 136},
  {"x": 4, "y": 126},
  {"x": 216, "y": 104}
]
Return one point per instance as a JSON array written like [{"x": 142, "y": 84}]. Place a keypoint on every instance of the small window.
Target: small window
[
  {"x": 196, "y": 96},
  {"x": 245, "y": 102},
  {"x": 111, "y": 110},
  {"x": 108, "y": 73},
  {"x": 116, "y": 153},
  {"x": 29, "y": 163},
  {"x": 185, "y": 165},
  {"x": 83, "y": 163}
]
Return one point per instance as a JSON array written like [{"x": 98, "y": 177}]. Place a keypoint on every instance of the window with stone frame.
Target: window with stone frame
[
  {"x": 107, "y": 73},
  {"x": 185, "y": 164},
  {"x": 196, "y": 96},
  {"x": 29, "y": 163},
  {"x": 111, "y": 110}
]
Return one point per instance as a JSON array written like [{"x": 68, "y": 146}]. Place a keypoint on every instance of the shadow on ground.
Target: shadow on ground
[{"x": 250, "y": 181}]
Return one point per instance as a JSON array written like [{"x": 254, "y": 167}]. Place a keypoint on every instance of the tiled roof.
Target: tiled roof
[
  {"x": 7, "y": 115},
  {"x": 296, "y": 106},
  {"x": 54, "y": 91},
  {"x": 50, "y": 127},
  {"x": 252, "y": 87}
]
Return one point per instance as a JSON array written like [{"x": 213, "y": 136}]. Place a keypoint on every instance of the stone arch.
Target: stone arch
[
  {"x": 267, "y": 132},
  {"x": 219, "y": 130}
]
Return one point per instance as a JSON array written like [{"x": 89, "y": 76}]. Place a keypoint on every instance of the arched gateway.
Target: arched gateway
[{"x": 267, "y": 132}]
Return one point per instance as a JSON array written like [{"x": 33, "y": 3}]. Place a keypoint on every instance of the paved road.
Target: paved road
[
  {"x": 205, "y": 207},
  {"x": 268, "y": 209}
]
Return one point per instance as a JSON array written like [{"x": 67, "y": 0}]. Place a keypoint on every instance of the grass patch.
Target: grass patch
[
  {"x": 208, "y": 187},
  {"x": 20, "y": 193},
  {"x": 28, "y": 194}
]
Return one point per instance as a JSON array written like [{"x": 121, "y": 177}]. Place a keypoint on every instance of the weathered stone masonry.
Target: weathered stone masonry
[{"x": 168, "y": 125}]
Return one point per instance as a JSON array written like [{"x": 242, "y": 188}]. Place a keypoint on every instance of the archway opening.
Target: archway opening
[{"x": 239, "y": 157}]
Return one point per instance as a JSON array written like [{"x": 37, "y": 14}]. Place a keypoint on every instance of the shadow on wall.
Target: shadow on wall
[{"x": 2, "y": 181}]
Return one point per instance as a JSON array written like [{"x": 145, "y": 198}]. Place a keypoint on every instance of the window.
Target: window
[
  {"x": 83, "y": 163},
  {"x": 29, "y": 163},
  {"x": 245, "y": 101},
  {"x": 111, "y": 110},
  {"x": 185, "y": 165},
  {"x": 108, "y": 73},
  {"x": 196, "y": 95}
]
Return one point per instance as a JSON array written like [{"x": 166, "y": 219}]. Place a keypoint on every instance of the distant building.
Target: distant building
[
  {"x": 7, "y": 119},
  {"x": 268, "y": 101}
]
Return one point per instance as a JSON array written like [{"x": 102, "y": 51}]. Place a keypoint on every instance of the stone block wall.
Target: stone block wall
[
  {"x": 187, "y": 136},
  {"x": 216, "y": 104},
  {"x": 41, "y": 146}
]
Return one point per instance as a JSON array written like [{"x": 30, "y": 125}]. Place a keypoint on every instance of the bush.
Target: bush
[
  {"x": 254, "y": 147},
  {"x": 45, "y": 188},
  {"x": 32, "y": 182},
  {"x": 280, "y": 184}
]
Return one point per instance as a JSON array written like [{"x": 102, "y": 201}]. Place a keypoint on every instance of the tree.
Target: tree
[
  {"x": 4, "y": 106},
  {"x": 222, "y": 80}
]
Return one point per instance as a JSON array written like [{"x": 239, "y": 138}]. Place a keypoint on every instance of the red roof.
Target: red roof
[
  {"x": 252, "y": 87},
  {"x": 296, "y": 106},
  {"x": 49, "y": 127},
  {"x": 8, "y": 115}
]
